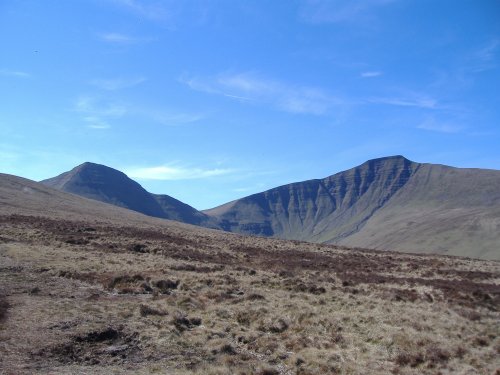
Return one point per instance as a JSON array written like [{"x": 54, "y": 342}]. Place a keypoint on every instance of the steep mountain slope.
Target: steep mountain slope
[
  {"x": 176, "y": 210},
  {"x": 105, "y": 184},
  {"x": 440, "y": 210},
  {"x": 318, "y": 209},
  {"x": 387, "y": 203}
]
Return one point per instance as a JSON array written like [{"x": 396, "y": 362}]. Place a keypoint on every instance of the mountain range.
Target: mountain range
[
  {"x": 103, "y": 289},
  {"x": 389, "y": 203}
]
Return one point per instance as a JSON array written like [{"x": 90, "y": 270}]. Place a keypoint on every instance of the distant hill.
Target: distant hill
[
  {"x": 105, "y": 184},
  {"x": 389, "y": 203},
  {"x": 20, "y": 196}
]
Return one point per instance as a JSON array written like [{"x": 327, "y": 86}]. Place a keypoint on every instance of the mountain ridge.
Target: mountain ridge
[
  {"x": 353, "y": 208},
  {"x": 331, "y": 192},
  {"x": 389, "y": 203}
]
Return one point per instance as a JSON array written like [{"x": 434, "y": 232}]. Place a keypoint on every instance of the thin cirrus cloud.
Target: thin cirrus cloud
[
  {"x": 484, "y": 58},
  {"x": 152, "y": 10},
  {"x": 117, "y": 83},
  {"x": 95, "y": 122},
  {"x": 371, "y": 74},
  {"x": 340, "y": 11},
  {"x": 250, "y": 88},
  {"x": 172, "y": 173},
  {"x": 423, "y": 102},
  {"x": 441, "y": 127},
  {"x": 94, "y": 107},
  {"x": 119, "y": 38},
  {"x": 96, "y": 114},
  {"x": 173, "y": 118},
  {"x": 14, "y": 73}
]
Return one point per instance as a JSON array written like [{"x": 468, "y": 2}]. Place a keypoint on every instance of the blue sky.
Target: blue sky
[{"x": 209, "y": 101}]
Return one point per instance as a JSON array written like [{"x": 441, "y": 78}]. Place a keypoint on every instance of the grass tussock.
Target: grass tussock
[{"x": 4, "y": 307}]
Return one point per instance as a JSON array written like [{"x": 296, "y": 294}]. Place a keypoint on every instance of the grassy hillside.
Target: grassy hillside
[{"x": 86, "y": 287}]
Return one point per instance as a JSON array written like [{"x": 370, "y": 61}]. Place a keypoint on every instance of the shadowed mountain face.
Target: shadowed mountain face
[
  {"x": 108, "y": 185},
  {"x": 176, "y": 210},
  {"x": 319, "y": 210},
  {"x": 387, "y": 203}
]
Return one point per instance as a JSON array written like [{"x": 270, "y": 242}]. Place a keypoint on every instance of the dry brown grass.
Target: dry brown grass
[
  {"x": 88, "y": 297},
  {"x": 4, "y": 306}
]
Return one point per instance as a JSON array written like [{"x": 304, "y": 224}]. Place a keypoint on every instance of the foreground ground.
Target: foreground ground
[{"x": 81, "y": 297}]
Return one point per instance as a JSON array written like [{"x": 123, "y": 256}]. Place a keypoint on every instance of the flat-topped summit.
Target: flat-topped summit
[
  {"x": 311, "y": 209},
  {"x": 385, "y": 203}
]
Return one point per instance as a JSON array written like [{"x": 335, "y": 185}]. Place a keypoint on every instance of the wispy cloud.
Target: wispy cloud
[
  {"x": 97, "y": 112},
  {"x": 118, "y": 38},
  {"x": 484, "y": 57},
  {"x": 173, "y": 172},
  {"x": 174, "y": 118},
  {"x": 169, "y": 14},
  {"x": 418, "y": 101},
  {"x": 117, "y": 83},
  {"x": 95, "y": 122},
  {"x": 249, "y": 87},
  {"x": 370, "y": 74},
  {"x": 8, "y": 155},
  {"x": 442, "y": 127},
  {"x": 94, "y": 106},
  {"x": 327, "y": 11},
  {"x": 14, "y": 73},
  {"x": 150, "y": 9}
]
